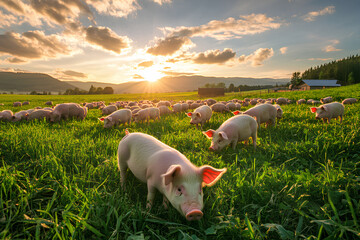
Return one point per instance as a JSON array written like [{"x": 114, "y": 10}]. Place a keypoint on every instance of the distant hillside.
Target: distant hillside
[
  {"x": 27, "y": 82},
  {"x": 190, "y": 83},
  {"x": 346, "y": 70}
]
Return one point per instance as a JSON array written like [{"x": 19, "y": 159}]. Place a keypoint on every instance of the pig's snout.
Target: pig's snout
[
  {"x": 194, "y": 215},
  {"x": 211, "y": 148},
  {"x": 317, "y": 117}
]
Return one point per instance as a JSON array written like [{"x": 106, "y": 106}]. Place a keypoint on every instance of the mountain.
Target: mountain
[
  {"x": 27, "y": 82},
  {"x": 190, "y": 83}
]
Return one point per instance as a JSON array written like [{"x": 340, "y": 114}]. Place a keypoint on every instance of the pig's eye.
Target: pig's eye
[
  {"x": 179, "y": 191},
  {"x": 219, "y": 141}
]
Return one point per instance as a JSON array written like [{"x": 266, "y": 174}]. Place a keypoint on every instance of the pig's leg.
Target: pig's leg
[
  {"x": 165, "y": 202},
  {"x": 123, "y": 167},
  {"x": 341, "y": 118},
  {"x": 150, "y": 195},
  {"x": 233, "y": 144},
  {"x": 254, "y": 140}
]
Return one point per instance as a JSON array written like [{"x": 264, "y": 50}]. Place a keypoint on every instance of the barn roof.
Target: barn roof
[{"x": 321, "y": 83}]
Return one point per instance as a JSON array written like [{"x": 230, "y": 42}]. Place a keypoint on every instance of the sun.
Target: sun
[{"x": 151, "y": 75}]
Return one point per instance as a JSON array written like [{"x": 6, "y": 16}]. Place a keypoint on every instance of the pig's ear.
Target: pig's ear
[
  {"x": 198, "y": 114},
  {"x": 171, "y": 173},
  {"x": 127, "y": 132},
  {"x": 209, "y": 133},
  {"x": 210, "y": 175},
  {"x": 324, "y": 108},
  {"x": 102, "y": 119},
  {"x": 109, "y": 119},
  {"x": 189, "y": 114},
  {"x": 223, "y": 135},
  {"x": 313, "y": 109},
  {"x": 236, "y": 112}
]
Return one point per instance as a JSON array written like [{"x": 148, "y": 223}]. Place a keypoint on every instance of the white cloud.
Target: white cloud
[
  {"x": 283, "y": 50},
  {"x": 311, "y": 16},
  {"x": 258, "y": 57},
  {"x": 115, "y": 8},
  {"x": 331, "y": 47}
]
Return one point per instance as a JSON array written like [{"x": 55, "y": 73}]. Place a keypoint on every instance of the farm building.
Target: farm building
[
  {"x": 211, "y": 92},
  {"x": 310, "y": 84}
]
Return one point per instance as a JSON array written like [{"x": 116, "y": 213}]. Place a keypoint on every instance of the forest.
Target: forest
[{"x": 346, "y": 71}]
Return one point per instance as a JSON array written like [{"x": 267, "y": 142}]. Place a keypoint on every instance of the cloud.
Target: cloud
[
  {"x": 169, "y": 46},
  {"x": 137, "y": 76},
  {"x": 14, "y": 60},
  {"x": 258, "y": 57},
  {"x": 32, "y": 45},
  {"x": 115, "y": 8},
  {"x": 6, "y": 20},
  {"x": 227, "y": 29},
  {"x": 171, "y": 73},
  {"x": 146, "y": 64},
  {"x": 160, "y": 2},
  {"x": 331, "y": 47},
  {"x": 311, "y": 16},
  {"x": 13, "y": 6},
  {"x": 74, "y": 74},
  {"x": 214, "y": 56},
  {"x": 107, "y": 39},
  {"x": 283, "y": 50},
  {"x": 21, "y": 12},
  {"x": 320, "y": 59}
]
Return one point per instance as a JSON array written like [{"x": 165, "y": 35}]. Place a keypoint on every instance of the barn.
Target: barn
[
  {"x": 310, "y": 84},
  {"x": 211, "y": 92}
]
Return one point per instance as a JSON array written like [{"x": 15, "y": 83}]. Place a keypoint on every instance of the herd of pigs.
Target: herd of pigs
[{"x": 164, "y": 168}]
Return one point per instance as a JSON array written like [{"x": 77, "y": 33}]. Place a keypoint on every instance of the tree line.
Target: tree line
[
  {"x": 346, "y": 71},
  {"x": 233, "y": 88},
  {"x": 92, "y": 90}
]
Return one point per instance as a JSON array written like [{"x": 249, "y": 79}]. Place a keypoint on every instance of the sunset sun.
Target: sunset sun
[{"x": 151, "y": 75}]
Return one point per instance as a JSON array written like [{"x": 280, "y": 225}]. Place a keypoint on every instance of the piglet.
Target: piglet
[
  {"x": 200, "y": 116},
  {"x": 120, "y": 116},
  {"x": 167, "y": 170},
  {"x": 235, "y": 129},
  {"x": 328, "y": 111}
]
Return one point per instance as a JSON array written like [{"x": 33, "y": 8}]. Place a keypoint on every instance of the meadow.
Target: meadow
[{"x": 61, "y": 180}]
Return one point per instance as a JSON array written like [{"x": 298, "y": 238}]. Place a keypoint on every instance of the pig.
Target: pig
[
  {"x": 235, "y": 129},
  {"x": 281, "y": 101},
  {"x": 263, "y": 113},
  {"x": 219, "y": 107},
  {"x": 39, "y": 114},
  {"x": 22, "y": 115},
  {"x": 237, "y": 106},
  {"x": 328, "y": 111},
  {"x": 17, "y": 104},
  {"x": 326, "y": 100},
  {"x": 253, "y": 102},
  {"x": 108, "y": 109},
  {"x": 6, "y": 115},
  {"x": 66, "y": 110},
  {"x": 349, "y": 101},
  {"x": 176, "y": 107},
  {"x": 301, "y": 101},
  {"x": 146, "y": 114},
  {"x": 163, "y": 103},
  {"x": 245, "y": 104},
  {"x": 210, "y": 101},
  {"x": 165, "y": 169},
  {"x": 279, "y": 112},
  {"x": 26, "y": 103},
  {"x": 164, "y": 110},
  {"x": 89, "y": 105},
  {"x": 195, "y": 105},
  {"x": 49, "y": 103},
  {"x": 184, "y": 107},
  {"x": 231, "y": 106},
  {"x": 200, "y": 116},
  {"x": 120, "y": 116}
]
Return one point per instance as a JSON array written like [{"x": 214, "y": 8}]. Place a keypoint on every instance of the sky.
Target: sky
[{"x": 117, "y": 41}]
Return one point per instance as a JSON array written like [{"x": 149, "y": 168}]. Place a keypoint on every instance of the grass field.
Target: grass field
[{"x": 60, "y": 181}]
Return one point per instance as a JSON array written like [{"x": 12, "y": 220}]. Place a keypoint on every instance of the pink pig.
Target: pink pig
[
  {"x": 200, "y": 116},
  {"x": 328, "y": 111},
  {"x": 167, "y": 170},
  {"x": 235, "y": 129}
]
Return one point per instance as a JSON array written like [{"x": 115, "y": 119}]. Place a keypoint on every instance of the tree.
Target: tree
[
  {"x": 108, "y": 90},
  {"x": 92, "y": 90},
  {"x": 231, "y": 87},
  {"x": 351, "y": 79},
  {"x": 296, "y": 79}
]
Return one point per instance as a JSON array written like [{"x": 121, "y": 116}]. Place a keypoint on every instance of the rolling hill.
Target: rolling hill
[{"x": 27, "y": 82}]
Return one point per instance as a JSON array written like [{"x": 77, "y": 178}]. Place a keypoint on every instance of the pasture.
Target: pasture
[{"x": 61, "y": 180}]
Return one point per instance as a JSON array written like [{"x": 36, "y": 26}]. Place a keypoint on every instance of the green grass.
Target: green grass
[{"x": 60, "y": 181}]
